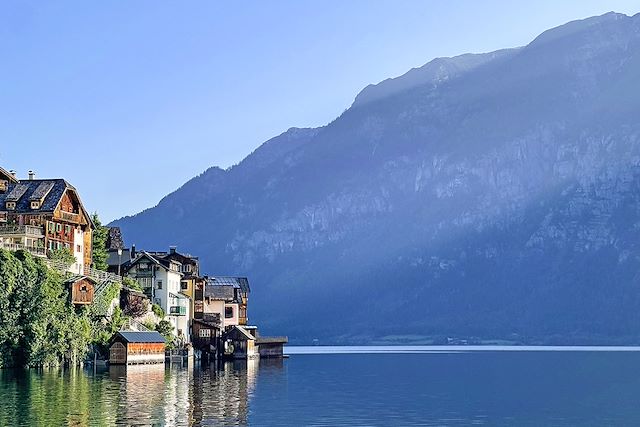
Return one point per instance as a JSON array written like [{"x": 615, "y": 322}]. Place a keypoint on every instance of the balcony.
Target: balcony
[
  {"x": 178, "y": 305},
  {"x": 178, "y": 310},
  {"x": 211, "y": 318},
  {"x": 22, "y": 230},
  {"x": 41, "y": 252},
  {"x": 68, "y": 216}
]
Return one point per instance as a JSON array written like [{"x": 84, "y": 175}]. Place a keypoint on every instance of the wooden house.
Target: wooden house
[
  {"x": 81, "y": 290},
  {"x": 134, "y": 347},
  {"x": 239, "y": 343},
  {"x": 40, "y": 215}
]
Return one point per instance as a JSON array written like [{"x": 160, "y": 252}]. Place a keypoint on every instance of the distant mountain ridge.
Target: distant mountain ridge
[
  {"x": 433, "y": 73},
  {"x": 492, "y": 196}
]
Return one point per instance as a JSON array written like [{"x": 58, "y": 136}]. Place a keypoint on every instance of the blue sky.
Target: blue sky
[{"x": 130, "y": 99}]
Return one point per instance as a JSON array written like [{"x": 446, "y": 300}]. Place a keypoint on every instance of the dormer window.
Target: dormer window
[
  {"x": 11, "y": 206},
  {"x": 35, "y": 204}
]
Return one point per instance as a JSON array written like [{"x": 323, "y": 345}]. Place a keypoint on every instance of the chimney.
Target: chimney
[
  {"x": 32, "y": 175},
  {"x": 133, "y": 251},
  {"x": 172, "y": 249},
  {"x": 12, "y": 172}
]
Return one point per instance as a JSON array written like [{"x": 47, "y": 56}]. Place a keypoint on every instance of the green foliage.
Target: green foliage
[
  {"x": 103, "y": 330},
  {"x": 99, "y": 244},
  {"x": 63, "y": 254},
  {"x": 101, "y": 303},
  {"x": 166, "y": 329},
  {"x": 158, "y": 311},
  {"x": 149, "y": 325},
  {"x": 38, "y": 324},
  {"x": 132, "y": 284}
]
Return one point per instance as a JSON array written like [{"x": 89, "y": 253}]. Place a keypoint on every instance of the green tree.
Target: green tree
[
  {"x": 64, "y": 255},
  {"x": 38, "y": 324},
  {"x": 158, "y": 311},
  {"x": 131, "y": 284},
  {"x": 99, "y": 244},
  {"x": 166, "y": 330}
]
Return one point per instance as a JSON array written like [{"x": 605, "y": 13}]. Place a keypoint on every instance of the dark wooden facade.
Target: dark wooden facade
[
  {"x": 82, "y": 290},
  {"x": 54, "y": 207},
  {"x": 271, "y": 347},
  {"x": 238, "y": 343}
]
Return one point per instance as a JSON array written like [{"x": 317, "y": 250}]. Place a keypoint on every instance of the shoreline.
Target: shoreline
[{"x": 445, "y": 349}]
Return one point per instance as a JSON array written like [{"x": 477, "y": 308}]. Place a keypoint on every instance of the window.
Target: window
[
  {"x": 184, "y": 285},
  {"x": 78, "y": 248},
  {"x": 3, "y": 185},
  {"x": 228, "y": 312},
  {"x": 205, "y": 333},
  {"x": 3, "y": 217},
  {"x": 11, "y": 206},
  {"x": 159, "y": 285},
  {"x": 35, "y": 204},
  {"x": 58, "y": 228},
  {"x": 198, "y": 306},
  {"x": 67, "y": 229}
]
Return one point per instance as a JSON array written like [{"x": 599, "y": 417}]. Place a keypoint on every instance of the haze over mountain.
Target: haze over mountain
[{"x": 492, "y": 196}]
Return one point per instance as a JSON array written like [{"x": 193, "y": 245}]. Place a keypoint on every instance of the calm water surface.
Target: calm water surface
[{"x": 438, "y": 386}]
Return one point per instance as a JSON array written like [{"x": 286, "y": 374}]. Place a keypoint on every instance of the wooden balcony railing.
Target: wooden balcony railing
[
  {"x": 21, "y": 230},
  {"x": 41, "y": 252},
  {"x": 69, "y": 216}
]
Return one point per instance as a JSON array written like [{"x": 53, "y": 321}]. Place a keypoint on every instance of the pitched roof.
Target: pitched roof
[
  {"x": 141, "y": 336},
  {"x": 4, "y": 174},
  {"x": 178, "y": 296},
  {"x": 243, "y": 333},
  {"x": 77, "y": 278},
  {"x": 219, "y": 292},
  {"x": 272, "y": 340},
  {"x": 241, "y": 283},
  {"x": 115, "y": 259},
  {"x": 48, "y": 191}
]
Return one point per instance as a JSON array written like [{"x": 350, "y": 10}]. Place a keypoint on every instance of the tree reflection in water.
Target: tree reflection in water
[{"x": 193, "y": 394}]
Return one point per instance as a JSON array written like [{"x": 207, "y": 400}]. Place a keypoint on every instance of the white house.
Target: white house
[{"x": 160, "y": 280}]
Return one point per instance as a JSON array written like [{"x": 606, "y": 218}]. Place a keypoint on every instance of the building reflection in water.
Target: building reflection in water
[
  {"x": 215, "y": 394},
  {"x": 221, "y": 394},
  {"x": 142, "y": 393}
]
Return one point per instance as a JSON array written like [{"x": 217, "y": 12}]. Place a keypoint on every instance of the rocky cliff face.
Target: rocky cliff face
[{"x": 485, "y": 196}]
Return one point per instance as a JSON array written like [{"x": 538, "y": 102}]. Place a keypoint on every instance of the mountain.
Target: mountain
[{"x": 482, "y": 197}]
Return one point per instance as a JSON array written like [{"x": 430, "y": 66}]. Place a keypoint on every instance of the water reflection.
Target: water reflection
[
  {"x": 217, "y": 394},
  {"x": 410, "y": 389},
  {"x": 222, "y": 396}
]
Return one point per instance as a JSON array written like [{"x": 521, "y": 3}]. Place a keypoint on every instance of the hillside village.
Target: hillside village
[{"x": 204, "y": 316}]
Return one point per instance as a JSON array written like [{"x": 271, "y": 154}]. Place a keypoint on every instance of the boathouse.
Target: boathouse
[
  {"x": 271, "y": 347},
  {"x": 136, "y": 347},
  {"x": 240, "y": 344}
]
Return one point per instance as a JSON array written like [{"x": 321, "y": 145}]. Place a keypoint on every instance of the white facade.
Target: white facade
[
  {"x": 78, "y": 251},
  {"x": 163, "y": 284},
  {"x": 229, "y": 312}
]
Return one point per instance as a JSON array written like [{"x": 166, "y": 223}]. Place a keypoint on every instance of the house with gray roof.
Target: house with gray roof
[{"x": 42, "y": 215}]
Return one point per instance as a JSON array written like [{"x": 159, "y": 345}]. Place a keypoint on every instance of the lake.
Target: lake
[{"x": 329, "y": 386}]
